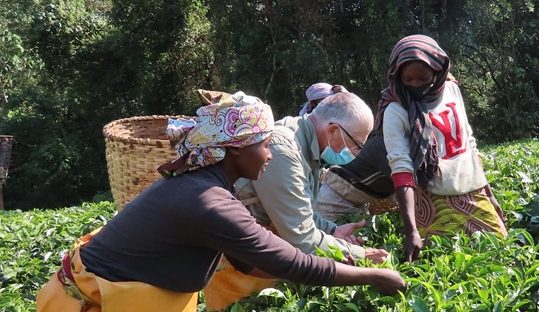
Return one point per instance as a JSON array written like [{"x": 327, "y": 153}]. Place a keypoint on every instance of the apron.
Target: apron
[
  {"x": 229, "y": 285},
  {"x": 73, "y": 288}
]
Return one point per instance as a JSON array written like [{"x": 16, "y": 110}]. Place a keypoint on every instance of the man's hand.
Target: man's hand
[
  {"x": 346, "y": 232},
  {"x": 376, "y": 255},
  {"x": 412, "y": 246}
]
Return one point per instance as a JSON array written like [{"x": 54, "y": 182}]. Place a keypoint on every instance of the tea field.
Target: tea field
[{"x": 458, "y": 273}]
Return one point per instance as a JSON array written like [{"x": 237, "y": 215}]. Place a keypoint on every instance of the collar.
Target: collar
[
  {"x": 309, "y": 134},
  {"x": 304, "y": 135},
  {"x": 218, "y": 171}
]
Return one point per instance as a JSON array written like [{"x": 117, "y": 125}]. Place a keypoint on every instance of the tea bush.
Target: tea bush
[
  {"x": 31, "y": 244},
  {"x": 457, "y": 273}
]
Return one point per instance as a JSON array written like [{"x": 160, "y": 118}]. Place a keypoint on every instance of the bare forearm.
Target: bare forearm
[
  {"x": 412, "y": 240},
  {"x": 406, "y": 200}
]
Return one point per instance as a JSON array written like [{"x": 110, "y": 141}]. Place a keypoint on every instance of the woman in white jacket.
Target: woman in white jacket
[{"x": 435, "y": 167}]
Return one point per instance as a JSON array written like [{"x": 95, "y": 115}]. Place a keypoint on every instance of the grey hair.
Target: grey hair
[{"x": 345, "y": 109}]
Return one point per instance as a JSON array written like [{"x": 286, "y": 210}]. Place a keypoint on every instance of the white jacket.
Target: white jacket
[{"x": 461, "y": 170}]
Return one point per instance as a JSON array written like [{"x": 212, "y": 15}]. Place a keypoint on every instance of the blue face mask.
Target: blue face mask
[{"x": 333, "y": 158}]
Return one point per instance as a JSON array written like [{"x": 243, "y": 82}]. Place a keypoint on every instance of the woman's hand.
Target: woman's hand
[
  {"x": 412, "y": 240},
  {"x": 388, "y": 282},
  {"x": 412, "y": 246}
]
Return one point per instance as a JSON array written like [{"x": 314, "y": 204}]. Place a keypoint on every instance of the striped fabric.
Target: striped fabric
[{"x": 422, "y": 142}]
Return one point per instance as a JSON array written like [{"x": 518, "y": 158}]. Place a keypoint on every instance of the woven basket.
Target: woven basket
[
  {"x": 135, "y": 147},
  {"x": 383, "y": 205},
  {"x": 6, "y": 142}
]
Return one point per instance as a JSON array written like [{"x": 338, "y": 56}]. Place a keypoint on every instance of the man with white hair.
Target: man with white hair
[{"x": 283, "y": 198}]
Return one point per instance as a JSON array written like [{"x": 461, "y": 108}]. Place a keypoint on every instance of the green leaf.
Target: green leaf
[
  {"x": 352, "y": 306},
  {"x": 418, "y": 304}
]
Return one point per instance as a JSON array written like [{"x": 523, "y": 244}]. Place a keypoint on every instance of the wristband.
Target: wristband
[{"x": 402, "y": 179}]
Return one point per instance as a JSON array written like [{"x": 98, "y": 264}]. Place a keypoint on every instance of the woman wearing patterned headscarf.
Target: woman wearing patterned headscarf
[
  {"x": 164, "y": 246},
  {"x": 436, "y": 171}
]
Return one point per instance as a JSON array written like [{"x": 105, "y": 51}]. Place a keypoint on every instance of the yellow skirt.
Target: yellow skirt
[
  {"x": 441, "y": 215},
  {"x": 229, "y": 285},
  {"x": 102, "y": 295}
]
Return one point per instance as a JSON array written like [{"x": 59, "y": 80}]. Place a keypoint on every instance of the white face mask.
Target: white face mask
[{"x": 333, "y": 158}]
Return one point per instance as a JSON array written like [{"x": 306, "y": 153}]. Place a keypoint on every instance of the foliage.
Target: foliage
[
  {"x": 53, "y": 158},
  {"x": 68, "y": 67},
  {"x": 498, "y": 65},
  {"x": 32, "y": 243},
  {"x": 512, "y": 170},
  {"x": 166, "y": 46},
  {"x": 138, "y": 58},
  {"x": 458, "y": 273}
]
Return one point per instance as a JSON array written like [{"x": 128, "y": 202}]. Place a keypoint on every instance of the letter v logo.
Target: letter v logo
[{"x": 453, "y": 145}]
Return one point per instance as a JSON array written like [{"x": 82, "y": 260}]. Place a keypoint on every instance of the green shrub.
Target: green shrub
[
  {"x": 458, "y": 273},
  {"x": 31, "y": 244}
]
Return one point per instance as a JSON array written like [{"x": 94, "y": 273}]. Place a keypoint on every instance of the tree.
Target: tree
[
  {"x": 497, "y": 62},
  {"x": 138, "y": 58}
]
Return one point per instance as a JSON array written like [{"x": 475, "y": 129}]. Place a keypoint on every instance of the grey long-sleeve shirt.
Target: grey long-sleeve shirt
[
  {"x": 286, "y": 193},
  {"x": 173, "y": 234}
]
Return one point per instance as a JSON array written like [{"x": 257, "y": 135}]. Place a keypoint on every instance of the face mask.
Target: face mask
[
  {"x": 333, "y": 158},
  {"x": 418, "y": 93}
]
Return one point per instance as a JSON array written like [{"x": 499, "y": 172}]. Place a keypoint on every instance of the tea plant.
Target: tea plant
[
  {"x": 458, "y": 273},
  {"x": 513, "y": 172},
  {"x": 31, "y": 244},
  {"x": 454, "y": 273}
]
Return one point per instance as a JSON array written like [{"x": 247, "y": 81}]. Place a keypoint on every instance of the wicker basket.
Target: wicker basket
[
  {"x": 135, "y": 147},
  {"x": 6, "y": 142},
  {"x": 383, "y": 205}
]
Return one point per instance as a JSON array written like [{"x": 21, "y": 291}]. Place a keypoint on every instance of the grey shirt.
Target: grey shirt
[
  {"x": 287, "y": 191},
  {"x": 174, "y": 233}
]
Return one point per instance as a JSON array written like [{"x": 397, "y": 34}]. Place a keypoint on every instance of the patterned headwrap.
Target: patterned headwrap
[
  {"x": 235, "y": 120},
  {"x": 422, "y": 141}
]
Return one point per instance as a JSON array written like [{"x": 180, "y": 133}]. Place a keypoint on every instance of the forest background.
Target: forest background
[{"x": 68, "y": 67}]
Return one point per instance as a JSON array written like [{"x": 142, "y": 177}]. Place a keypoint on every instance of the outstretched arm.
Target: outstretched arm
[
  {"x": 412, "y": 240},
  {"x": 386, "y": 281},
  {"x": 396, "y": 130}
]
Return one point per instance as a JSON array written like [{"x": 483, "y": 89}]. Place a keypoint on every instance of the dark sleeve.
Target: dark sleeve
[
  {"x": 369, "y": 171},
  {"x": 229, "y": 228},
  {"x": 239, "y": 265}
]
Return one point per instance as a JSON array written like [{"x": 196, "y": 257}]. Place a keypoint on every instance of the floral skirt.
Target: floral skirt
[{"x": 442, "y": 214}]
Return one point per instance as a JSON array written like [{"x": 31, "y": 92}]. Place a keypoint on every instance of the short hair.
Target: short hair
[{"x": 345, "y": 109}]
